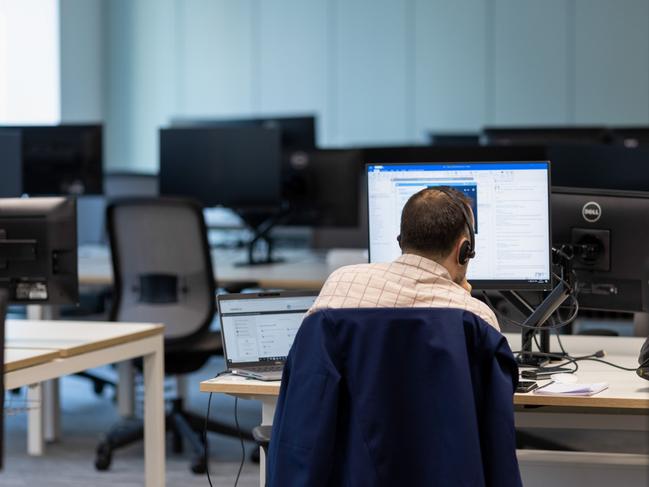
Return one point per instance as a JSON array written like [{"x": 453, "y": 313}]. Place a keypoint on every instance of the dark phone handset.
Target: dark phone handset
[{"x": 526, "y": 386}]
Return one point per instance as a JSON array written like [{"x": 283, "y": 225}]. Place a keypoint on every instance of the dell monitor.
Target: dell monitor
[
  {"x": 38, "y": 250},
  {"x": 511, "y": 205},
  {"x": 606, "y": 231},
  {"x": 55, "y": 160}
]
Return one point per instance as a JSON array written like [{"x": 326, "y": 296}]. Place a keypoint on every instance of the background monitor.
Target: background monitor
[
  {"x": 609, "y": 230},
  {"x": 454, "y": 138},
  {"x": 545, "y": 135},
  {"x": 59, "y": 159},
  {"x": 326, "y": 188},
  {"x": 511, "y": 206},
  {"x": 630, "y": 136},
  {"x": 38, "y": 250},
  {"x": 296, "y": 132},
  {"x": 605, "y": 167},
  {"x": 235, "y": 167}
]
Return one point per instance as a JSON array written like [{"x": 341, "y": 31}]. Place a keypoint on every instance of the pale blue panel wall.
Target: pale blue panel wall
[
  {"x": 215, "y": 69},
  {"x": 82, "y": 66},
  {"x": 612, "y": 60},
  {"x": 375, "y": 71},
  {"x": 450, "y": 65},
  {"x": 530, "y": 62},
  {"x": 294, "y": 56},
  {"x": 371, "y": 71},
  {"x": 140, "y": 84}
]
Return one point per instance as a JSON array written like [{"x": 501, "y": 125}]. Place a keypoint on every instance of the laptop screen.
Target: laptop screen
[{"x": 260, "y": 328}]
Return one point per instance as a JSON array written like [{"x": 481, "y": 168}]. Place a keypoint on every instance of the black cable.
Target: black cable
[
  {"x": 207, "y": 420},
  {"x": 243, "y": 447},
  {"x": 207, "y": 456},
  {"x": 629, "y": 369}
]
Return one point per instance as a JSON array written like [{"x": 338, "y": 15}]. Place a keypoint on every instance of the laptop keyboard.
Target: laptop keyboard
[{"x": 268, "y": 368}]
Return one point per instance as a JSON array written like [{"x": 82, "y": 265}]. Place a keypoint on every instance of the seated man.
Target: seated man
[{"x": 437, "y": 242}]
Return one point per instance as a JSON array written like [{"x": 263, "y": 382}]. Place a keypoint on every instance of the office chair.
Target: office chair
[
  {"x": 384, "y": 397},
  {"x": 163, "y": 274}
]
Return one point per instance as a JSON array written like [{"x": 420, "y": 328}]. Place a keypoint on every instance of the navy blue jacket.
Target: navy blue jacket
[{"x": 390, "y": 397}]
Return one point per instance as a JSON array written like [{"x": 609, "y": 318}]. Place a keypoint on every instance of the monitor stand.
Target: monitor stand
[
  {"x": 534, "y": 324},
  {"x": 261, "y": 225}
]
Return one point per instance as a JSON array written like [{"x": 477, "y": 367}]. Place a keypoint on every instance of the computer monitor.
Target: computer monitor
[
  {"x": 545, "y": 135},
  {"x": 461, "y": 139},
  {"x": 38, "y": 250},
  {"x": 325, "y": 188},
  {"x": 235, "y": 167},
  {"x": 56, "y": 160},
  {"x": 511, "y": 204},
  {"x": 608, "y": 230},
  {"x": 630, "y": 136},
  {"x": 297, "y": 132},
  {"x": 603, "y": 167}
]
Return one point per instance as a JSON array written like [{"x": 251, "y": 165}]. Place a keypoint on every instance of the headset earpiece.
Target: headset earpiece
[{"x": 465, "y": 253}]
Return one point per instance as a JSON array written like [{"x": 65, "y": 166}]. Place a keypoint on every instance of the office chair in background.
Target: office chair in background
[{"x": 163, "y": 274}]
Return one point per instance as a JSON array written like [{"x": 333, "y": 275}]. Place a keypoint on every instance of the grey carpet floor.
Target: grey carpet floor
[{"x": 85, "y": 416}]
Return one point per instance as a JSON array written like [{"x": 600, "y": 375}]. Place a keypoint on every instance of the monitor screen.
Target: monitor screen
[
  {"x": 261, "y": 329},
  {"x": 510, "y": 201},
  {"x": 296, "y": 132},
  {"x": 236, "y": 167},
  {"x": 59, "y": 159}
]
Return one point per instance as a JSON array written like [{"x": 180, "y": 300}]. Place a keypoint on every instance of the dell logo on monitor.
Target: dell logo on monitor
[{"x": 591, "y": 211}]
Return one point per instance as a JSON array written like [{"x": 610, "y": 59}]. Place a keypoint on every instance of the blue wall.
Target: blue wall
[{"x": 375, "y": 71}]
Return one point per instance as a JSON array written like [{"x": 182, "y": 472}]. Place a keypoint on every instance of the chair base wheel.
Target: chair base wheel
[
  {"x": 103, "y": 459},
  {"x": 199, "y": 466}
]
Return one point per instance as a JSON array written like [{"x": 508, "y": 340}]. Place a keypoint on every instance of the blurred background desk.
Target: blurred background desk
[{"x": 301, "y": 268}]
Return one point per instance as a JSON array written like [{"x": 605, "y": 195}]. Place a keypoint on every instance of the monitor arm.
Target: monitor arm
[{"x": 538, "y": 316}]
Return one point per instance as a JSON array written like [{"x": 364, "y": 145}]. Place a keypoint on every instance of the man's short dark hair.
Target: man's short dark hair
[{"x": 432, "y": 220}]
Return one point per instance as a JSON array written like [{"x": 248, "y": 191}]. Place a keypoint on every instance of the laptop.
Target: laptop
[{"x": 258, "y": 330}]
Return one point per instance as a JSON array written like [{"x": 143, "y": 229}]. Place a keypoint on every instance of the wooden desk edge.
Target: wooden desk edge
[
  {"x": 46, "y": 356},
  {"x": 252, "y": 389},
  {"x": 581, "y": 401},
  {"x": 155, "y": 329},
  {"x": 256, "y": 389}
]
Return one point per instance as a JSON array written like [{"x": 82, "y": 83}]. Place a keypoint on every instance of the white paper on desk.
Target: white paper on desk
[{"x": 559, "y": 389}]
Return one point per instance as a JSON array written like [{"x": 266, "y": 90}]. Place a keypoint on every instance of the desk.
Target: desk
[
  {"x": 39, "y": 351},
  {"x": 623, "y": 406},
  {"x": 19, "y": 358},
  {"x": 302, "y": 269}
]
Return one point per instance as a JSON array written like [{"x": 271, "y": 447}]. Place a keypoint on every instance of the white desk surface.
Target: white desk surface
[
  {"x": 74, "y": 337},
  {"x": 626, "y": 390},
  {"x": 19, "y": 358},
  {"x": 302, "y": 269}
]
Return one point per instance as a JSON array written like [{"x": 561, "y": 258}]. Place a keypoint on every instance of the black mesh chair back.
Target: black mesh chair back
[{"x": 162, "y": 265}]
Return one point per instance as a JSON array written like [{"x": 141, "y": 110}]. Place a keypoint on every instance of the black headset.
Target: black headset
[{"x": 467, "y": 250}]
